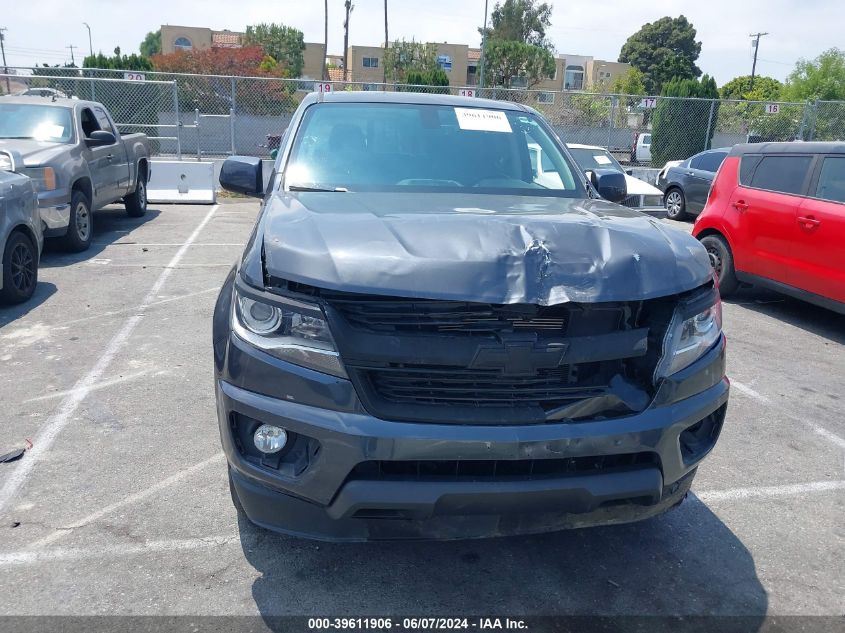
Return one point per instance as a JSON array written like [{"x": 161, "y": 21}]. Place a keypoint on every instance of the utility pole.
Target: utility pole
[
  {"x": 5, "y": 68},
  {"x": 483, "y": 47},
  {"x": 72, "y": 60},
  {"x": 756, "y": 43},
  {"x": 90, "y": 45},
  {"x": 386, "y": 45}
]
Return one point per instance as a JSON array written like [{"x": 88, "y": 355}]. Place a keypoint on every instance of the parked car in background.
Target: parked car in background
[
  {"x": 641, "y": 195},
  {"x": 20, "y": 231},
  {"x": 423, "y": 339},
  {"x": 662, "y": 173},
  {"x": 687, "y": 184},
  {"x": 776, "y": 217},
  {"x": 641, "y": 149},
  {"x": 77, "y": 160},
  {"x": 42, "y": 92}
]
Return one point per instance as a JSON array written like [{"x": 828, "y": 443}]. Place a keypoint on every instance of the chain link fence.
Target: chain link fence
[{"x": 214, "y": 116}]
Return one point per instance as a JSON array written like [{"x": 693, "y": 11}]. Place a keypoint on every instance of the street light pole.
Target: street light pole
[
  {"x": 483, "y": 47},
  {"x": 90, "y": 45}
]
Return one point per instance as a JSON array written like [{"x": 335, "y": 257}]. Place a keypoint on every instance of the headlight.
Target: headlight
[
  {"x": 6, "y": 162},
  {"x": 689, "y": 338},
  {"x": 43, "y": 178},
  {"x": 290, "y": 330}
]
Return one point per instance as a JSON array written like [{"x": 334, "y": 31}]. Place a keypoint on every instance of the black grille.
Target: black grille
[
  {"x": 631, "y": 201},
  {"x": 500, "y": 469},
  {"x": 455, "y": 386},
  {"x": 404, "y": 315}
]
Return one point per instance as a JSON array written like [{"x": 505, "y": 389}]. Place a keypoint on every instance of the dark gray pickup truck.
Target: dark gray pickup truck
[
  {"x": 424, "y": 339},
  {"x": 78, "y": 161}
]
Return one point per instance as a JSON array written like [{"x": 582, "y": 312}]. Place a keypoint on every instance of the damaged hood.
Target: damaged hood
[{"x": 475, "y": 247}]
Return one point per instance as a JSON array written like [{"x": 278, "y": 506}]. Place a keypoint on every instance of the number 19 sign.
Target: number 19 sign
[{"x": 322, "y": 87}]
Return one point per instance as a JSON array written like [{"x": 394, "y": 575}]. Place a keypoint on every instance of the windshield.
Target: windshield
[
  {"x": 594, "y": 158},
  {"x": 38, "y": 122},
  {"x": 412, "y": 147}
]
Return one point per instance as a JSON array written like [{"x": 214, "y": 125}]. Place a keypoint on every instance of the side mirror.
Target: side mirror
[
  {"x": 243, "y": 174},
  {"x": 609, "y": 183},
  {"x": 99, "y": 138}
]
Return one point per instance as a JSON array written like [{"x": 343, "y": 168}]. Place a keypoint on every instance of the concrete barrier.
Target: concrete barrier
[{"x": 188, "y": 182}]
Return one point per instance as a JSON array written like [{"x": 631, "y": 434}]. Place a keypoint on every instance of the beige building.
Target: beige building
[
  {"x": 366, "y": 63},
  {"x": 461, "y": 63},
  {"x": 174, "y": 38}
]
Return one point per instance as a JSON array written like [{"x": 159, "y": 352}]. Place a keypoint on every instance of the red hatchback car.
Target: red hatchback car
[{"x": 775, "y": 217}]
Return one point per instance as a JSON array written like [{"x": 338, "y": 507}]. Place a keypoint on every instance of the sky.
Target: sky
[{"x": 40, "y": 31}]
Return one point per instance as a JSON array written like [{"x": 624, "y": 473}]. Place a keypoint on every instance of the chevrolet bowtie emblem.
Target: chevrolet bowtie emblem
[{"x": 519, "y": 358}]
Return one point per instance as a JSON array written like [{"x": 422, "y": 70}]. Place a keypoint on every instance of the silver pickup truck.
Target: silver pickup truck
[{"x": 77, "y": 160}]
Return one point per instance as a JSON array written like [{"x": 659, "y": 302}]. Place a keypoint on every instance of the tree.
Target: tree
[
  {"x": 325, "y": 38},
  {"x": 348, "y": 6},
  {"x": 765, "y": 89},
  {"x": 386, "y": 42},
  {"x": 507, "y": 61},
  {"x": 151, "y": 44},
  {"x": 663, "y": 50},
  {"x": 683, "y": 127},
  {"x": 521, "y": 21},
  {"x": 403, "y": 57},
  {"x": 516, "y": 46},
  {"x": 631, "y": 82},
  {"x": 283, "y": 43},
  {"x": 117, "y": 62},
  {"x": 436, "y": 77},
  {"x": 822, "y": 78}
]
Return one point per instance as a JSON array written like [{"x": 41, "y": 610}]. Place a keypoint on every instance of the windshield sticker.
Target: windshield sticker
[
  {"x": 48, "y": 130},
  {"x": 601, "y": 159},
  {"x": 482, "y": 120}
]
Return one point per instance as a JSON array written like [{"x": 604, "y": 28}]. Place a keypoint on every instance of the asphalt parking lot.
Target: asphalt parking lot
[{"x": 122, "y": 505}]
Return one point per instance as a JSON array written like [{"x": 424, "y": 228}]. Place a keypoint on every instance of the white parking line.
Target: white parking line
[
  {"x": 818, "y": 429},
  {"x": 102, "y": 384},
  {"x": 54, "y": 426},
  {"x": 769, "y": 492},
  {"x": 35, "y": 554},
  {"x": 133, "y": 498},
  {"x": 102, "y": 551}
]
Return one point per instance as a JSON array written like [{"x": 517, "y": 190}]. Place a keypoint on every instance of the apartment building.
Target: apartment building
[
  {"x": 186, "y": 38},
  {"x": 365, "y": 64}
]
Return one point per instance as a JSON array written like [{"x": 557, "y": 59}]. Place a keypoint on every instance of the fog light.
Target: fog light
[{"x": 270, "y": 439}]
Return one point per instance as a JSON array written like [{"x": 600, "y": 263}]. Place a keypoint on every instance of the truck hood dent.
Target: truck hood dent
[
  {"x": 471, "y": 247},
  {"x": 34, "y": 152}
]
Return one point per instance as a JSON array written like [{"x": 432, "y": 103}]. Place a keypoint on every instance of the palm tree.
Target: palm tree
[
  {"x": 386, "y": 44},
  {"x": 349, "y": 6},
  {"x": 325, "y": 38}
]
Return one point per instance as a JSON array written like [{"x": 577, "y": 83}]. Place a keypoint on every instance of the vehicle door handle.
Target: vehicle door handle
[
  {"x": 808, "y": 222},
  {"x": 740, "y": 206},
  {"x": 110, "y": 158},
  {"x": 690, "y": 173}
]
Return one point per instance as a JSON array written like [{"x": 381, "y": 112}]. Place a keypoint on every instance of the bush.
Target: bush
[{"x": 680, "y": 126}]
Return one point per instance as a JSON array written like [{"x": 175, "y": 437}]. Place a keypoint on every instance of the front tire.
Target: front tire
[
  {"x": 676, "y": 204},
  {"x": 136, "y": 202},
  {"x": 722, "y": 261},
  {"x": 20, "y": 269},
  {"x": 81, "y": 225}
]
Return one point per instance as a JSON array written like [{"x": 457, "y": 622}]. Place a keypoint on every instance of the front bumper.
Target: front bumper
[
  {"x": 54, "y": 208},
  {"x": 323, "y": 496}
]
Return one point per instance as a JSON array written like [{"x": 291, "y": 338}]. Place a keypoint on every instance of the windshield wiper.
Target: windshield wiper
[{"x": 304, "y": 188}]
